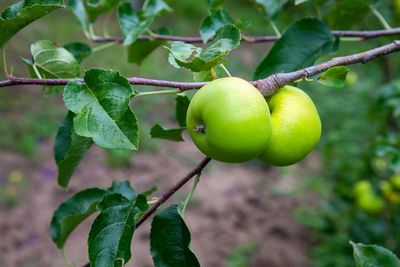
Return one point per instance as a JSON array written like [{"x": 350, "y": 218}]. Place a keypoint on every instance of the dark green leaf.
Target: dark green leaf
[
  {"x": 102, "y": 109},
  {"x": 141, "y": 49},
  {"x": 141, "y": 203},
  {"x": 170, "y": 240},
  {"x": 69, "y": 149},
  {"x": 124, "y": 188},
  {"x": 172, "y": 134},
  {"x": 72, "y": 212},
  {"x": 334, "y": 77},
  {"x": 213, "y": 22},
  {"x": 196, "y": 59},
  {"x": 182, "y": 104},
  {"x": 372, "y": 255},
  {"x": 78, "y": 8},
  {"x": 300, "y": 45},
  {"x": 133, "y": 24},
  {"x": 95, "y": 8},
  {"x": 22, "y": 13},
  {"x": 79, "y": 50},
  {"x": 347, "y": 13},
  {"x": 111, "y": 233},
  {"x": 270, "y": 7}
]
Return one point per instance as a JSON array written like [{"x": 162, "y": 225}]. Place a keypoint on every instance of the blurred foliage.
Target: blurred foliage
[
  {"x": 11, "y": 188},
  {"x": 243, "y": 255}
]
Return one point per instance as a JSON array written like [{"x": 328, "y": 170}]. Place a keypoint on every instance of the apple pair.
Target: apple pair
[{"x": 229, "y": 120}]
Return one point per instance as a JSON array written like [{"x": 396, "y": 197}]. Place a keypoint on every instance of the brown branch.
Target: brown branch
[
  {"x": 271, "y": 84},
  {"x": 267, "y": 86},
  {"x": 255, "y": 39},
  {"x": 169, "y": 193}
]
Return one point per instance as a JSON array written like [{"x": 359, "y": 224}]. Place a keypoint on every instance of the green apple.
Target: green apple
[
  {"x": 228, "y": 119},
  {"x": 296, "y": 127},
  {"x": 370, "y": 203}
]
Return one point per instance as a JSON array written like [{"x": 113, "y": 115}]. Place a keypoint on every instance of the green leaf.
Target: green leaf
[
  {"x": 72, "y": 212},
  {"x": 215, "y": 20},
  {"x": 334, "y": 77},
  {"x": 347, "y": 13},
  {"x": 94, "y": 8},
  {"x": 102, "y": 109},
  {"x": 69, "y": 149},
  {"x": 139, "y": 50},
  {"x": 372, "y": 255},
  {"x": 149, "y": 192},
  {"x": 77, "y": 7},
  {"x": 182, "y": 104},
  {"x": 22, "y": 13},
  {"x": 196, "y": 59},
  {"x": 170, "y": 240},
  {"x": 53, "y": 62},
  {"x": 298, "y": 2},
  {"x": 300, "y": 45},
  {"x": 215, "y": 4},
  {"x": 111, "y": 233},
  {"x": 124, "y": 188},
  {"x": 133, "y": 24},
  {"x": 270, "y": 7},
  {"x": 79, "y": 50},
  {"x": 172, "y": 134}
]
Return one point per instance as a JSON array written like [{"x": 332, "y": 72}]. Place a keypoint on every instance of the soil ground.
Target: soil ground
[{"x": 233, "y": 207}]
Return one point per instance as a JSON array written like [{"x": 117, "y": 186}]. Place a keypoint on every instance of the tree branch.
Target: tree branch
[
  {"x": 255, "y": 39},
  {"x": 267, "y": 86},
  {"x": 271, "y": 84},
  {"x": 169, "y": 193}
]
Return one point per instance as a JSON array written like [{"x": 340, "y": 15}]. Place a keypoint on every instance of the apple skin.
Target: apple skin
[
  {"x": 234, "y": 119},
  {"x": 296, "y": 127}
]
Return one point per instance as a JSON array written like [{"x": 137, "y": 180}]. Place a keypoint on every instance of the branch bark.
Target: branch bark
[
  {"x": 255, "y": 39},
  {"x": 267, "y": 86}
]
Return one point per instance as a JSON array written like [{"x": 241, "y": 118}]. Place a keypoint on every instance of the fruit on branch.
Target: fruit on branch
[
  {"x": 228, "y": 120},
  {"x": 296, "y": 127},
  {"x": 366, "y": 199}
]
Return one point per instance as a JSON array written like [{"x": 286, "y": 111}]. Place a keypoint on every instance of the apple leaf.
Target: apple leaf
[
  {"x": 270, "y": 7},
  {"x": 372, "y": 255},
  {"x": 94, "y": 8},
  {"x": 53, "y": 62},
  {"x": 171, "y": 134},
  {"x": 69, "y": 149},
  {"x": 102, "y": 110},
  {"x": 79, "y": 50},
  {"x": 80, "y": 206},
  {"x": 134, "y": 23},
  {"x": 72, "y": 212},
  {"x": 182, "y": 104},
  {"x": 347, "y": 13},
  {"x": 140, "y": 49},
  {"x": 110, "y": 235},
  {"x": 215, "y": 20},
  {"x": 77, "y": 7},
  {"x": 22, "y": 13},
  {"x": 196, "y": 59},
  {"x": 334, "y": 77},
  {"x": 170, "y": 240},
  {"x": 300, "y": 45}
]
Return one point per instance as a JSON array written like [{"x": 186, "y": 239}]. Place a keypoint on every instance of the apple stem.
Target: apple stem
[
  {"x": 199, "y": 128},
  {"x": 213, "y": 74}
]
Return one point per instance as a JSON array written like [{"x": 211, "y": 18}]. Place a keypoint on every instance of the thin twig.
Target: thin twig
[
  {"x": 267, "y": 86},
  {"x": 255, "y": 39}
]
